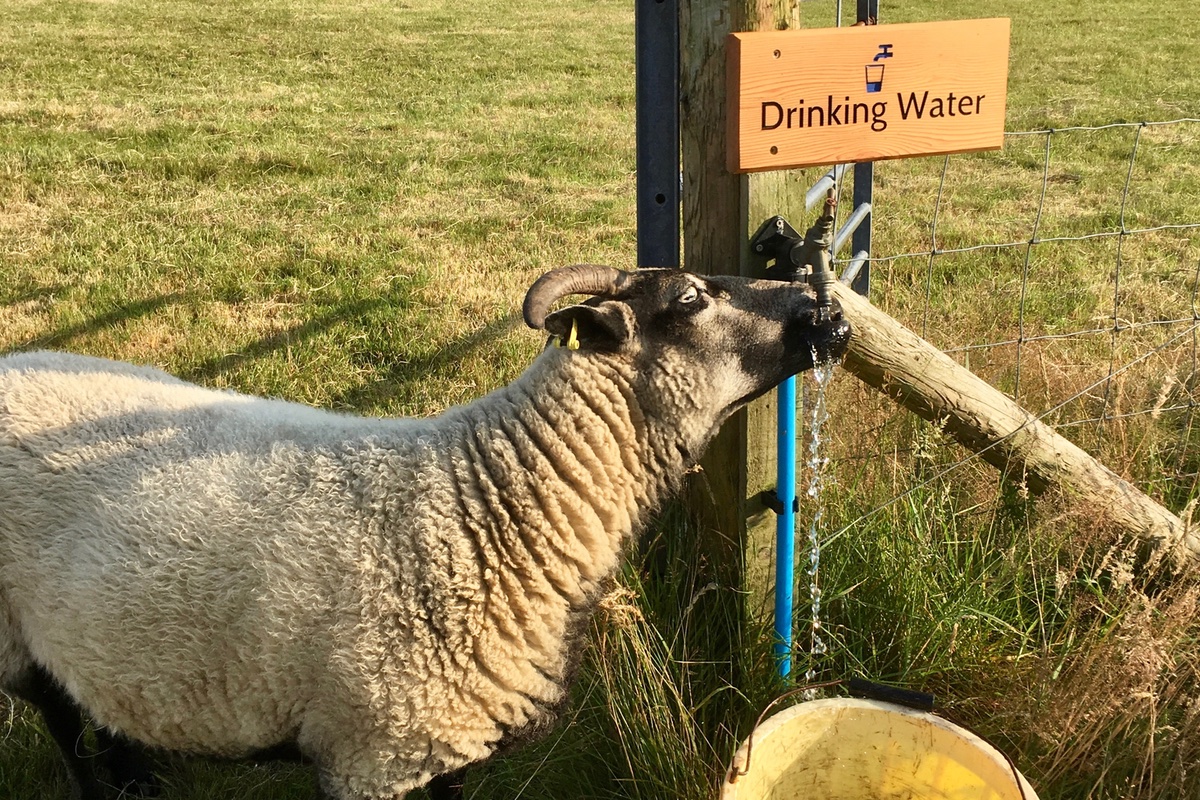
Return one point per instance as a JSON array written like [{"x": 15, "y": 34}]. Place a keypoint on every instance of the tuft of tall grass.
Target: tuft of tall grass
[
  {"x": 665, "y": 695},
  {"x": 1029, "y": 620}
]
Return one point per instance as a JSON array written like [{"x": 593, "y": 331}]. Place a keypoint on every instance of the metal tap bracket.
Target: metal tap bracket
[
  {"x": 802, "y": 258},
  {"x": 776, "y": 239},
  {"x": 770, "y": 499},
  {"x": 797, "y": 256}
]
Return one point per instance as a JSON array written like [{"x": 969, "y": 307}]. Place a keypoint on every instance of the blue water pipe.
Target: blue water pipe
[
  {"x": 785, "y": 523},
  {"x": 812, "y": 251}
]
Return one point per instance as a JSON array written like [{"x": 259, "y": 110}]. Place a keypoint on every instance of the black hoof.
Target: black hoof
[{"x": 130, "y": 765}]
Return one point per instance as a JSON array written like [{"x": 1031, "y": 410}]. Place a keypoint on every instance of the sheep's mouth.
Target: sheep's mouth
[
  {"x": 825, "y": 345},
  {"x": 830, "y": 342},
  {"x": 812, "y": 342}
]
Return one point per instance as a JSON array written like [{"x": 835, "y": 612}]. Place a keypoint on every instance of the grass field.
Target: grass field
[{"x": 342, "y": 202}]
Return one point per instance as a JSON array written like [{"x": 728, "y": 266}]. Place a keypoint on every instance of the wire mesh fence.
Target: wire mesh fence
[{"x": 1065, "y": 270}]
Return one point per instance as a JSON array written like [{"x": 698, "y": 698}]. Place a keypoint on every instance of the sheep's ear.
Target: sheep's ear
[{"x": 597, "y": 327}]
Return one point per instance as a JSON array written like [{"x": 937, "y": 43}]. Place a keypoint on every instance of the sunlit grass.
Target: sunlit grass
[{"x": 341, "y": 203}]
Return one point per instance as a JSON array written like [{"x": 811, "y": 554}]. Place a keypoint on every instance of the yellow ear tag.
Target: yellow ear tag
[{"x": 573, "y": 339}]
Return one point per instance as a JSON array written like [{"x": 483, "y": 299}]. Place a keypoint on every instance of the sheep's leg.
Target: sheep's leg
[
  {"x": 448, "y": 786},
  {"x": 64, "y": 721},
  {"x": 131, "y": 767}
]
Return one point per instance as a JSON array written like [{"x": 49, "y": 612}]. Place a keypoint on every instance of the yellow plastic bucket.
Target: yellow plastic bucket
[{"x": 850, "y": 749}]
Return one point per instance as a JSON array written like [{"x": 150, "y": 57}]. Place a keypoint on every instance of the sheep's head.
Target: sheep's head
[{"x": 707, "y": 345}]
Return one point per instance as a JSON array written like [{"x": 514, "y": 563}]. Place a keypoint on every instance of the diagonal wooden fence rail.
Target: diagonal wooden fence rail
[{"x": 889, "y": 357}]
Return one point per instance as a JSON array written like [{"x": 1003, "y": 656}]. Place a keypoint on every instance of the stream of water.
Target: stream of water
[{"x": 816, "y": 470}]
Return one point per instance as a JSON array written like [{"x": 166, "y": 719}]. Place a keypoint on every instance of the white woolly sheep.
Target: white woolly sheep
[{"x": 395, "y": 599}]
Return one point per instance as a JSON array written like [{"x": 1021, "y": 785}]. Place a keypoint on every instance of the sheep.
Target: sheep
[{"x": 394, "y": 599}]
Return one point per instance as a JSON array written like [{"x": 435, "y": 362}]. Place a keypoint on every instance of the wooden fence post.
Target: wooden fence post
[{"x": 720, "y": 211}]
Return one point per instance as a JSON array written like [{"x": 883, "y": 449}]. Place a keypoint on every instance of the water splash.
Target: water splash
[{"x": 817, "y": 463}]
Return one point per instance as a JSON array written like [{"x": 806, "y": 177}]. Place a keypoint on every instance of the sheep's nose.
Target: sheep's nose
[
  {"x": 832, "y": 312},
  {"x": 823, "y": 314}
]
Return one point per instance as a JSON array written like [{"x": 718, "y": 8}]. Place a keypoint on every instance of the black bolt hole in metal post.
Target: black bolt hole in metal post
[{"x": 656, "y": 33}]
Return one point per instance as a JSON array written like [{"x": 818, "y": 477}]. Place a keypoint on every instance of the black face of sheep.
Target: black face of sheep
[{"x": 734, "y": 338}]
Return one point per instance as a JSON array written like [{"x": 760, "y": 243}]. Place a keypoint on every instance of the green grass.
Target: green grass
[
  {"x": 342, "y": 203},
  {"x": 358, "y": 187}
]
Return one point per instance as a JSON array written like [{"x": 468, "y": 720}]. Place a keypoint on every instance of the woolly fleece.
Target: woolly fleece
[{"x": 216, "y": 573}]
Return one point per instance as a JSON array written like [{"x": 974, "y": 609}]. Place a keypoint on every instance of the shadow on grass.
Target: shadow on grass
[
  {"x": 35, "y": 293},
  {"x": 207, "y": 369},
  {"x": 400, "y": 371},
  {"x": 67, "y": 333},
  {"x": 417, "y": 369},
  {"x": 219, "y": 365}
]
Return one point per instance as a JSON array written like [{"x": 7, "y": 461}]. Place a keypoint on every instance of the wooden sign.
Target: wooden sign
[{"x": 834, "y": 95}]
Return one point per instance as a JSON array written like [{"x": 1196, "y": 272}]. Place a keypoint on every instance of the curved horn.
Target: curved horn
[{"x": 593, "y": 279}]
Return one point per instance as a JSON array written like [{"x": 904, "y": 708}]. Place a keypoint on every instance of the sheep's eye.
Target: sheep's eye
[{"x": 690, "y": 295}]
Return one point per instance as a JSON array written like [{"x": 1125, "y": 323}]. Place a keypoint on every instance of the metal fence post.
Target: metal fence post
[
  {"x": 858, "y": 274},
  {"x": 656, "y": 34}
]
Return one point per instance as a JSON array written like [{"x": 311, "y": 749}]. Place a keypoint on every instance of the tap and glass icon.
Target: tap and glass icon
[{"x": 875, "y": 71}]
